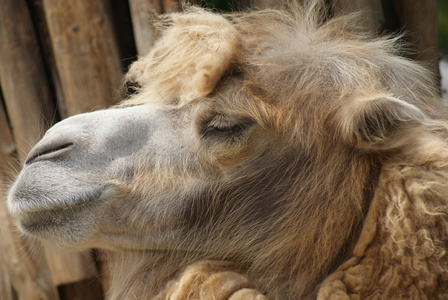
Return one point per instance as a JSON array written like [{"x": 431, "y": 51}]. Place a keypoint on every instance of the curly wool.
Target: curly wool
[{"x": 402, "y": 251}]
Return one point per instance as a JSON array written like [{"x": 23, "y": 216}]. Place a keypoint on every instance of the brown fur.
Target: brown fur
[
  {"x": 339, "y": 190},
  {"x": 310, "y": 81}
]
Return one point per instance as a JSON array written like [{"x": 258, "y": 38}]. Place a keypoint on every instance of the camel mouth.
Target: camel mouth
[
  {"x": 31, "y": 212},
  {"x": 65, "y": 225}
]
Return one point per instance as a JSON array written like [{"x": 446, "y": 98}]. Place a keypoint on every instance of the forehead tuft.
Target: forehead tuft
[
  {"x": 291, "y": 59},
  {"x": 189, "y": 59}
]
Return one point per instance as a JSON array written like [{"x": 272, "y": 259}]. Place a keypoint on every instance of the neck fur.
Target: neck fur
[{"x": 141, "y": 274}]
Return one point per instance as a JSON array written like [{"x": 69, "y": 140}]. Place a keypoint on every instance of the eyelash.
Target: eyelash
[{"x": 225, "y": 128}]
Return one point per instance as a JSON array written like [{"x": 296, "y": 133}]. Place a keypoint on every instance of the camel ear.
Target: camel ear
[
  {"x": 189, "y": 59},
  {"x": 382, "y": 123}
]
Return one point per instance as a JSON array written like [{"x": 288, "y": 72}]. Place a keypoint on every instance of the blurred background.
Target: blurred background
[
  {"x": 442, "y": 18},
  {"x": 59, "y": 58},
  {"x": 442, "y": 23}
]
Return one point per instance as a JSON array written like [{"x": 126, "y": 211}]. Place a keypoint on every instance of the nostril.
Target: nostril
[{"x": 47, "y": 152}]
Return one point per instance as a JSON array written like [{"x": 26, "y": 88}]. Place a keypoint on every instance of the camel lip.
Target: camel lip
[
  {"x": 42, "y": 222},
  {"x": 24, "y": 206}
]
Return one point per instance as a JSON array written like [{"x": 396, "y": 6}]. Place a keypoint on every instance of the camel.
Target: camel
[{"x": 258, "y": 155}]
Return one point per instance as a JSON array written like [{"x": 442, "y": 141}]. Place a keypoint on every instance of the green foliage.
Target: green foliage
[{"x": 442, "y": 12}]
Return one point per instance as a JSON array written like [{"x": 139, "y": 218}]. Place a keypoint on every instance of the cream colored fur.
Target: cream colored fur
[
  {"x": 399, "y": 254},
  {"x": 278, "y": 156}
]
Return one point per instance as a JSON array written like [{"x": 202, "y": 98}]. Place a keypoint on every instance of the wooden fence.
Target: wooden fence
[{"x": 59, "y": 58}]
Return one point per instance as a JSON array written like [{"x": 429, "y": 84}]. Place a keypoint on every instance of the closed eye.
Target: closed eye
[{"x": 223, "y": 127}]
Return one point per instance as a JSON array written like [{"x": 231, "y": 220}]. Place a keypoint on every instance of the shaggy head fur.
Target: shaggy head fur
[{"x": 271, "y": 154}]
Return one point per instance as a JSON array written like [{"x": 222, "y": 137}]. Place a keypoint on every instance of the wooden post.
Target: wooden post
[
  {"x": 86, "y": 53},
  {"x": 36, "y": 8},
  {"x": 88, "y": 67},
  {"x": 143, "y": 33},
  {"x": 27, "y": 269},
  {"x": 419, "y": 19},
  {"x": 372, "y": 11},
  {"x": 6, "y": 291},
  {"x": 22, "y": 76},
  {"x": 7, "y": 156},
  {"x": 31, "y": 111},
  {"x": 262, "y": 4},
  {"x": 26, "y": 96},
  {"x": 68, "y": 266},
  {"x": 170, "y": 6}
]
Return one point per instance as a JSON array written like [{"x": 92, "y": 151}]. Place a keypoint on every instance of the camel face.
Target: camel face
[
  {"x": 96, "y": 177},
  {"x": 271, "y": 142},
  {"x": 69, "y": 176},
  {"x": 170, "y": 168}
]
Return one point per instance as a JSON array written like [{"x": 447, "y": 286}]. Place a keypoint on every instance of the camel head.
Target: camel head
[{"x": 254, "y": 138}]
